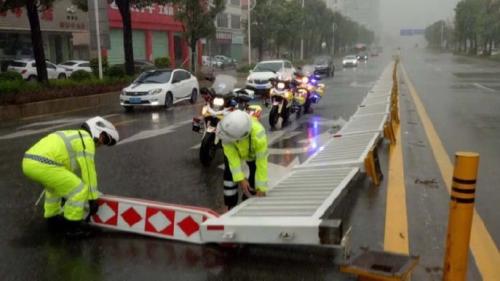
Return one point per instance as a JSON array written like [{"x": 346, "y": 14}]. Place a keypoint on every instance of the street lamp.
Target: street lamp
[
  {"x": 249, "y": 30},
  {"x": 98, "y": 35},
  {"x": 302, "y": 37}
]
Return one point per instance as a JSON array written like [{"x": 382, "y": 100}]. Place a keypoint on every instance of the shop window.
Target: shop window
[
  {"x": 222, "y": 20},
  {"x": 235, "y": 22}
]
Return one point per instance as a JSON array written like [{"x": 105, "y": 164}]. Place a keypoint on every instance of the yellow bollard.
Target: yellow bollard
[{"x": 460, "y": 216}]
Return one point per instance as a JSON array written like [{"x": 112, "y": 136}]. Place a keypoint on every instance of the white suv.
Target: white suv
[
  {"x": 27, "y": 68},
  {"x": 258, "y": 80},
  {"x": 74, "y": 65}
]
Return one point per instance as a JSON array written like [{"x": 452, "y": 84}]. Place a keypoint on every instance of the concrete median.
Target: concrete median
[{"x": 12, "y": 112}]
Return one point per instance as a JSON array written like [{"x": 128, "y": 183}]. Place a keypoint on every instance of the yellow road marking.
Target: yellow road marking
[
  {"x": 482, "y": 245},
  {"x": 396, "y": 224}
]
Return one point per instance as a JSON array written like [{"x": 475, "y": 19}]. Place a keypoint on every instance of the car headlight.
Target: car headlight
[
  {"x": 124, "y": 93},
  {"x": 155, "y": 91},
  {"x": 249, "y": 80},
  {"x": 218, "y": 102}
]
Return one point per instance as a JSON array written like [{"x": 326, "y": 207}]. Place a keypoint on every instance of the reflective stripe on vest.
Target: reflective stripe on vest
[
  {"x": 42, "y": 159},
  {"x": 67, "y": 141}
]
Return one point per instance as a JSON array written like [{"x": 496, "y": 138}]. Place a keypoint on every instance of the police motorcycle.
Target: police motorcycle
[
  {"x": 307, "y": 86},
  {"x": 281, "y": 97},
  {"x": 220, "y": 99}
]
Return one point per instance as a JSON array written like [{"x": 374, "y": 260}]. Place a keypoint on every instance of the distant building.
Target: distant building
[
  {"x": 63, "y": 28},
  {"x": 155, "y": 34},
  {"x": 229, "y": 38}
]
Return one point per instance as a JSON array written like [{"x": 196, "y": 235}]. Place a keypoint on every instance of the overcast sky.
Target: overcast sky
[{"x": 400, "y": 14}]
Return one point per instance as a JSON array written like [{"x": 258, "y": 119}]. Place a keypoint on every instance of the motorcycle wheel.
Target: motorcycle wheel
[
  {"x": 208, "y": 149},
  {"x": 286, "y": 116},
  {"x": 298, "y": 113},
  {"x": 307, "y": 106},
  {"x": 273, "y": 117}
]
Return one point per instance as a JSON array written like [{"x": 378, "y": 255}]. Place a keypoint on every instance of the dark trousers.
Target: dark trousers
[{"x": 231, "y": 188}]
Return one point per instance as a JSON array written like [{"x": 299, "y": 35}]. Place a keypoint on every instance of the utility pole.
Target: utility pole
[
  {"x": 442, "y": 35},
  {"x": 302, "y": 38},
  {"x": 249, "y": 35},
  {"x": 98, "y": 34},
  {"x": 333, "y": 39}
]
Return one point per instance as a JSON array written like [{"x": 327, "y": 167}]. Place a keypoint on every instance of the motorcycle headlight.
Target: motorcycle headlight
[
  {"x": 218, "y": 102},
  {"x": 305, "y": 80},
  {"x": 155, "y": 91},
  {"x": 280, "y": 85}
]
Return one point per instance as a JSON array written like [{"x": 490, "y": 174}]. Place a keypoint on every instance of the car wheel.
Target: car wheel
[
  {"x": 169, "y": 100},
  {"x": 61, "y": 76},
  {"x": 194, "y": 96},
  {"x": 31, "y": 78}
]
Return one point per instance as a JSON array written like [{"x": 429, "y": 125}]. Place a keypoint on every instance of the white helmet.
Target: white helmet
[
  {"x": 97, "y": 125},
  {"x": 235, "y": 126}
]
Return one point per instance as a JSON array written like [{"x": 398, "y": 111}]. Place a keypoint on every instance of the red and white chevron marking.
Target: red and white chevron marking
[{"x": 150, "y": 218}]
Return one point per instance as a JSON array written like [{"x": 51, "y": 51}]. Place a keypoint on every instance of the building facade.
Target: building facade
[
  {"x": 155, "y": 34},
  {"x": 229, "y": 38},
  {"x": 63, "y": 27}
]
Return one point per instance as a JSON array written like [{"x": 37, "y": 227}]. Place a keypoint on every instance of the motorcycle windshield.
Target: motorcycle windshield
[{"x": 224, "y": 84}]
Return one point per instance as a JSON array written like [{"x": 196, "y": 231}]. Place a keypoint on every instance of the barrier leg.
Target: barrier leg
[
  {"x": 389, "y": 132},
  {"x": 460, "y": 216},
  {"x": 372, "y": 167}
]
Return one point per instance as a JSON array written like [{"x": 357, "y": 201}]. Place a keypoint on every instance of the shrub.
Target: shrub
[
  {"x": 94, "y": 64},
  {"x": 162, "y": 62},
  {"x": 10, "y": 76},
  {"x": 116, "y": 71},
  {"x": 80, "y": 75},
  {"x": 245, "y": 68}
]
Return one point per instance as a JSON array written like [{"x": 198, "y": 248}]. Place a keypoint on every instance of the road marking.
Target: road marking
[
  {"x": 396, "y": 222},
  {"x": 147, "y": 134},
  {"x": 482, "y": 246},
  {"x": 484, "y": 87},
  {"x": 25, "y": 131}
]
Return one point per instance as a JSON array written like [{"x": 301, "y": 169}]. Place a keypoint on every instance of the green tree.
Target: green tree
[
  {"x": 198, "y": 18},
  {"x": 32, "y": 9}
]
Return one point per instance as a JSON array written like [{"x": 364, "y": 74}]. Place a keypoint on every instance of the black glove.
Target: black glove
[{"x": 93, "y": 207}]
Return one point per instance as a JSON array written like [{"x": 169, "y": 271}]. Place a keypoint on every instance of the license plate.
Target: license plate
[{"x": 134, "y": 100}]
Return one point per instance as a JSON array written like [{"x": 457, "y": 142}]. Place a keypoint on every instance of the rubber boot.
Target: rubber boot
[
  {"x": 77, "y": 230},
  {"x": 56, "y": 225}
]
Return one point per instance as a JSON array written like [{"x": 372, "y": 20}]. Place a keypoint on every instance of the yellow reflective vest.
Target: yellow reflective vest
[
  {"x": 251, "y": 148},
  {"x": 74, "y": 150}
]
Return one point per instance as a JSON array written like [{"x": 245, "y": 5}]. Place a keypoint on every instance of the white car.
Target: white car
[
  {"x": 258, "y": 80},
  {"x": 27, "y": 68},
  {"x": 351, "y": 60},
  {"x": 160, "y": 87},
  {"x": 74, "y": 65}
]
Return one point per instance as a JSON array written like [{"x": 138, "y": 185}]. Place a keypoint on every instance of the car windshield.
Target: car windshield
[
  {"x": 68, "y": 63},
  {"x": 154, "y": 77},
  {"x": 18, "y": 64},
  {"x": 321, "y": 61},
  {"x": 268, "y": 66},
  {"x": 350, "y": 57},
  {"x": 224, "y": 84}
]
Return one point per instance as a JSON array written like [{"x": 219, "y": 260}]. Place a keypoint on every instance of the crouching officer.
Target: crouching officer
[
  {"x": 243, "y": 139},
  {"x": 63, "y": 163}
]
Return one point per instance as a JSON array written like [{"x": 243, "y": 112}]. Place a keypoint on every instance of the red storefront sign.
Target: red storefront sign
[{"x": 155, "y": 17}]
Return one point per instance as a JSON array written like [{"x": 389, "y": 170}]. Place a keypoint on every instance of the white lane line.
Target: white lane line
[
  {"x": 58, "y": 123},
  {"x": 484, "y": 87},
  {"x": 147, "y": 134}
]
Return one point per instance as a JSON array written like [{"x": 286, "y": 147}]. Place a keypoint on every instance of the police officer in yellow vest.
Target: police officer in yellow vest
[
  {"x": 243, "y": 139},
  {"x": 63, "y": 163}
]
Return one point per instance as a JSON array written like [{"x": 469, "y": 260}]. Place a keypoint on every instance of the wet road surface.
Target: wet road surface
[{"x": 157, "y": 159}]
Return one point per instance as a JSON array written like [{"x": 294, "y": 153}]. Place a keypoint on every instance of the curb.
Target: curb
[{"x": 11, "y": 112}]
